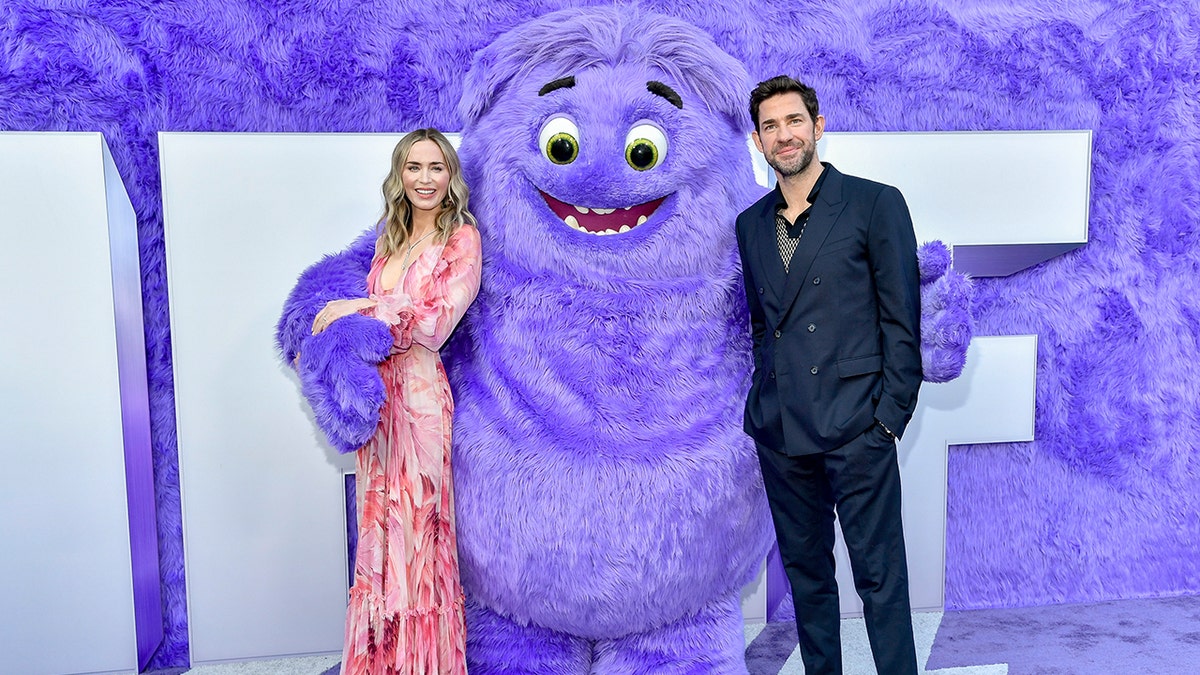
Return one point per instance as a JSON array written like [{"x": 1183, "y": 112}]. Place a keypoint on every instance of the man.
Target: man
[{"x": 831, "y": 278}]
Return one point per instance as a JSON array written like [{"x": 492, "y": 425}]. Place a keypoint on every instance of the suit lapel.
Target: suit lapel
[
  {"x": 767, "y": 248},
  {"x": 820, "y": 223}
]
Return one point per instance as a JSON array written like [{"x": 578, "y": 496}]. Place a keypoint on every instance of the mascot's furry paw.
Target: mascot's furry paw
[
  {"x": 945, "y": 314},
  {"x": 339, "y": 376}
]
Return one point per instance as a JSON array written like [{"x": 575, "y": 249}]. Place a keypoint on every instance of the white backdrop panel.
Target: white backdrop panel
[
  {"x": 1011, "y": 187},
  {"x": 263, "y": 510},
  {"x": 65, "y": 579}
]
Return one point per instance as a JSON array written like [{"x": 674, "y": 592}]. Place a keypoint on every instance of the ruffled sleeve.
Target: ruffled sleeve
[{"x": 436, "y": 303}]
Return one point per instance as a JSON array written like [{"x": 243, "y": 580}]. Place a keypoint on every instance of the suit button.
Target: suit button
[
  {"x": 816, "y": 281},
  {"x": 772, "y": 375},
  {"x": 814, "y": 370},
  {"x": 778, "y": 334},
  {"x": 761, "y": 290},
  {"x": 812, "y": 327}
]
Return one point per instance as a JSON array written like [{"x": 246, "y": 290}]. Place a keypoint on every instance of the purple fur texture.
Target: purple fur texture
[
  {"x": 1103, "y": 505},
  {"x": 334, "y": 277},
  {"x": 933, "y": 260},
  {"x": 945, "y": 314},
  {"x": 339, "y": 375},
  {"x": 604, "y": 486},
  {"x": 523, "y": 650},
  {"x": 338, "y": 368}
]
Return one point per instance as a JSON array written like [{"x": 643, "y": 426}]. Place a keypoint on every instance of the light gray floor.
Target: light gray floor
[{"x": 856, "y": 654}]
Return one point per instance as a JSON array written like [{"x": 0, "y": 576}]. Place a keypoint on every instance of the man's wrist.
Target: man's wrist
[{"x": 891, "y": 434}]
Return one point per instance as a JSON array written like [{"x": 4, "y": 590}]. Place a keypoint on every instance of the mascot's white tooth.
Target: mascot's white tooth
[
  {"x": 641, "y": 219},
  {"x": 603, "y": 212},
  {"x": 625, "y": 228},
  {"x": 627, "y": 208},
  {"x": 581, "y": 209},
  {"x": 573, "y": 222}
]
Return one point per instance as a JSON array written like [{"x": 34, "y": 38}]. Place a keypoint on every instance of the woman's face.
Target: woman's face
[{"x": 425, "y": 175}]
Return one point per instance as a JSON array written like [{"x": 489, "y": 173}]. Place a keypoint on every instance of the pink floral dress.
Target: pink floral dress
[{"x": 406, "y": 606}]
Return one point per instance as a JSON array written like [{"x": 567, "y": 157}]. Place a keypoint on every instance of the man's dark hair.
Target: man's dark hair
[{"x": 782, "y": 84}]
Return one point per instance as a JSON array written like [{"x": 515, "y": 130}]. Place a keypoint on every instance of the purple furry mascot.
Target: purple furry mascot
[{"x": 609, "y": 506}]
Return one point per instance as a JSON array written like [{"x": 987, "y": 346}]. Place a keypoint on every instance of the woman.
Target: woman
[{"x": 406, "y": 611}]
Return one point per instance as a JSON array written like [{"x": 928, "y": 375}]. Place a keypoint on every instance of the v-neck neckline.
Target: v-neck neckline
[{"x": 404, "y": 275}]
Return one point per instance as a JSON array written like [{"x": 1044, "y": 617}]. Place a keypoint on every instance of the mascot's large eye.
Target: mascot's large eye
[
  {"x": 645, "y": 146},
  {"x": 559, "y": 140}
]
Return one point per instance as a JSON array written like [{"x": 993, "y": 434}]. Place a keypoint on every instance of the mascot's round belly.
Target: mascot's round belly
[{"x": 601, "y": 477}]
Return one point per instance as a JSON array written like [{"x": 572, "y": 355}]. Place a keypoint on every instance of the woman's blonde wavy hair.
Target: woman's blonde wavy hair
[{"x": 396, "y": 227}]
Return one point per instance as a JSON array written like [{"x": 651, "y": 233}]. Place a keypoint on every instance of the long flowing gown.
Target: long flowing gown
[{"x": 406, "y": 606}]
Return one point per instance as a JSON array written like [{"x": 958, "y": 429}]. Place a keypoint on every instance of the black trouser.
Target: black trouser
[{"x": 863, "y": 479}]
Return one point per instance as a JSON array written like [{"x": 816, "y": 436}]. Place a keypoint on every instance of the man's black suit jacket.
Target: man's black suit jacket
[{"x": 836, "y": 340}]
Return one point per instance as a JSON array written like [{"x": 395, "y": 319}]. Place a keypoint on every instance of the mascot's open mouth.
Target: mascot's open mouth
[{"x": 602, "y": 221}]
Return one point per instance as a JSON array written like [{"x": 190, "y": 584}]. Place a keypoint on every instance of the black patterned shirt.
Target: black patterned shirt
[{"x": 788, "y": 234}]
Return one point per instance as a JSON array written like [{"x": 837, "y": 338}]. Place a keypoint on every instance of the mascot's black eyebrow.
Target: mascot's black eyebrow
[
  {"x": 653, "y": 86},
  {"x": 666, "y": 92},
  {"x": 560, "y": 83}
]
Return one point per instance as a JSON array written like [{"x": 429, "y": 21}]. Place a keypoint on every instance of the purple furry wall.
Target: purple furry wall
[{"x": 1105, "y": 504}]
